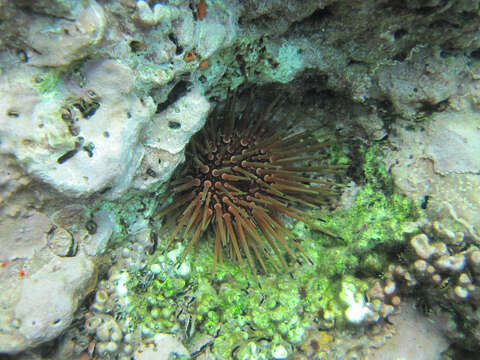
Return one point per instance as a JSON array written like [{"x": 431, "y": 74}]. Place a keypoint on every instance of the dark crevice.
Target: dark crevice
[
  {"x": 398, "y": 34},
  {"x": 88, "y": 108},
  {"x": 136, "y": 46},
  {"x": 475, "y": 54},
  {"x": 450, "y": 51},
  {"x": 179, "y": 49},
  {"x": 317, "y": 16},
  {"x": 68, "y": 155},
  {"x": 424, "y": 203},
  {"x": 355, "y": 62},
  {"x": 443, "y": 24},
  {"x": 176, "y": 93},
  {"x": 89, "y": 149},
  {"x": 174, "y": 125},
  {"x": 426, "y": 10},
  {"x": 13, "y": 113},
  {"x": 401, "y": 56},
  {"x": 430, "y": 108}
]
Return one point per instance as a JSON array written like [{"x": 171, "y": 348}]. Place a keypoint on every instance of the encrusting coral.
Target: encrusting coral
[{"x": 242, "y": 175}]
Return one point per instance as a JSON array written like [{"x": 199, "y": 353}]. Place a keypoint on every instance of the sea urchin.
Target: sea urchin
[{"x": 242, "y": 176}]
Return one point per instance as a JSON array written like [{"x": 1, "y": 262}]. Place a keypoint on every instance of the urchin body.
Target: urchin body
[{"x": 241, "y": 174}]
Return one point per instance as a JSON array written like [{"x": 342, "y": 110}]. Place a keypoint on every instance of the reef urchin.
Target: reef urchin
[{"x": 242, "y": 175}]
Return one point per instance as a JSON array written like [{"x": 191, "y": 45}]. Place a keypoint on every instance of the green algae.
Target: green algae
[
  {"x": 373, "y": 226},
  {"x": 47, "y": 82},
  {"x": 375, "y": 172},
  {"x": 374, "y": 219},
  {"x": 236, "y": 311},
  {"x": 250, "y": 315}
]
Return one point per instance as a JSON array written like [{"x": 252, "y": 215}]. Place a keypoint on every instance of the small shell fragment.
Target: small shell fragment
[{"x": 61, "y": 242}]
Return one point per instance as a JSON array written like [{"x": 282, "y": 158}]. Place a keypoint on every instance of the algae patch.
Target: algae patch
[{"x": 253, "y": 316}]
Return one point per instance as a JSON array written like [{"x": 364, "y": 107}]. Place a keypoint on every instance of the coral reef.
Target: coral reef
[
  {"x": 99, "y": 102},
  {"x": 447, "y": 269},
  {"x": 110, "y": 336},
  {"x": 177, "y": 293},
  {"x": 440, "y": 271},
  {"x": 409, "y": 334}
]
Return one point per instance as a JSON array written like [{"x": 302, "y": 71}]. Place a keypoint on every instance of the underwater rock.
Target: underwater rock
[
  {"x": 98, "y": 232},
  {"x": 12, "y": 182},
  {"x": 75, "y": 146},
  {"x": 59, "y": 42},
  {"x": 113, "y": 129},
  {"x": 159, "y": 13},
  {"x": 22, "y": 237},
  {"x": 443, "y": 275},
  {"x": 415, "y": 337},
  {"x": 23, "y": 104},
  {"x": 353, "y": 298},
  {"x": 171, "y": 129},
  {"x": 437, "y": 161},
  {"x": 440, "y": 166},
  {"x": 420, "y": 244},
  {"x": 88, "y": 233},
  {"x": 87, "y": 129},
  {"x": 59, "y": 8},
  {"x": 293, "y": 12},
  {"x": 167, "y": 135},
  {"x": 71, "y": 217},
  {"x": 422, "y": 81},
  {"x": 36, "y": 316},
  {"x": 164, "y": 346},
  {"x": 459, "y": 130},
  {"x": 214, "y": 32},
  {"x": 156, "y": 167}
]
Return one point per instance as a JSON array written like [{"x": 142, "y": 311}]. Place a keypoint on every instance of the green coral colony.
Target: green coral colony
[{"x": 244, "y": 185}]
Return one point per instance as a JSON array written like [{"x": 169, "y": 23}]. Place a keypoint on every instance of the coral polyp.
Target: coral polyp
[{"x": 243, "y": 175}]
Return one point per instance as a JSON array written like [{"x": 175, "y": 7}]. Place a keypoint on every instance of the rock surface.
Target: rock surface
[
  {"x": 166, "y": 136},
  {"x": 65, "y": 41},
  {"x": 39, "y": 298},
  {"x": 441, "y": 162},
  {"x": 415, "y": 337},
  {"x": 23, "y": 236},
  {"x": 164, "y": 347}
]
